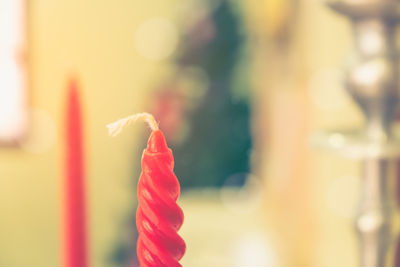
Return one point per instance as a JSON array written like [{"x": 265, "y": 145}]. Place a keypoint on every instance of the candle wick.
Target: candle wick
[{"x": 116, "y": 128}]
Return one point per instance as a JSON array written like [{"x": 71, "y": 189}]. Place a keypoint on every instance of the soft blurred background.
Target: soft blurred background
[{"x": 238, "y": 88}]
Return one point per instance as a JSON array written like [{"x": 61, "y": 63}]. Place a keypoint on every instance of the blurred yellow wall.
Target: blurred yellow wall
[
  {"x": 94, "y": 41},
  {"x": 310, "y": 195}
]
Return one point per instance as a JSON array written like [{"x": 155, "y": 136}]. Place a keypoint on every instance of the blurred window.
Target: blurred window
[{"x": 12, "y": 74}]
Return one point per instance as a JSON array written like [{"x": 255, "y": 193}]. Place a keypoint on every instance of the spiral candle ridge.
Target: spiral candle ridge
[{"x": 158, "y": 216}]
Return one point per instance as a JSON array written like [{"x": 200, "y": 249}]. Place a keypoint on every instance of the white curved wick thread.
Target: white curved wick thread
[{"x": 116, "y": 128}]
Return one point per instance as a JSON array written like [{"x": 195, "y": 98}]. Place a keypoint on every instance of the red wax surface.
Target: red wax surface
[
  {"x": 158, "y": 216},
  {"x": 75, "y": 254}
]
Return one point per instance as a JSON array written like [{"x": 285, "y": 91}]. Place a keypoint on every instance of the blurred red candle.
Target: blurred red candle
[
  {"x": 75, "y": 254},
  {"x": 158, "y": 217}
]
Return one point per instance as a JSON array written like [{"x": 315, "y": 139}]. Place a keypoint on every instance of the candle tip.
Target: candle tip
[
  {"x": 157, "y": 142},
  {"x": 116, "y": 128}
]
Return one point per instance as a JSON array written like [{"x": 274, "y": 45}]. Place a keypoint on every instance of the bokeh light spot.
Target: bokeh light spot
[
  {"x": 156, "y": 38},
  {"x": 42, "y": 133},
  {"x": 241, "y": 199},
  {"x": 326, "y": 90},
  {"x": 253, "y": 250}
]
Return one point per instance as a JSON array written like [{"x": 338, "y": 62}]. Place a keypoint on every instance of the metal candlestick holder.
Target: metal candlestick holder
[{"x": 373, "y": 81}]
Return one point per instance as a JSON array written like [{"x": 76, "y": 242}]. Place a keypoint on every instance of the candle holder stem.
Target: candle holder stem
[
  {"x": 374, "y": 219},
  {"x": 372, "y": 80}
]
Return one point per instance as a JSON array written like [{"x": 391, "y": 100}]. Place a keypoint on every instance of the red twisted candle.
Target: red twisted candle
[{"x": 158, "y": 217}]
